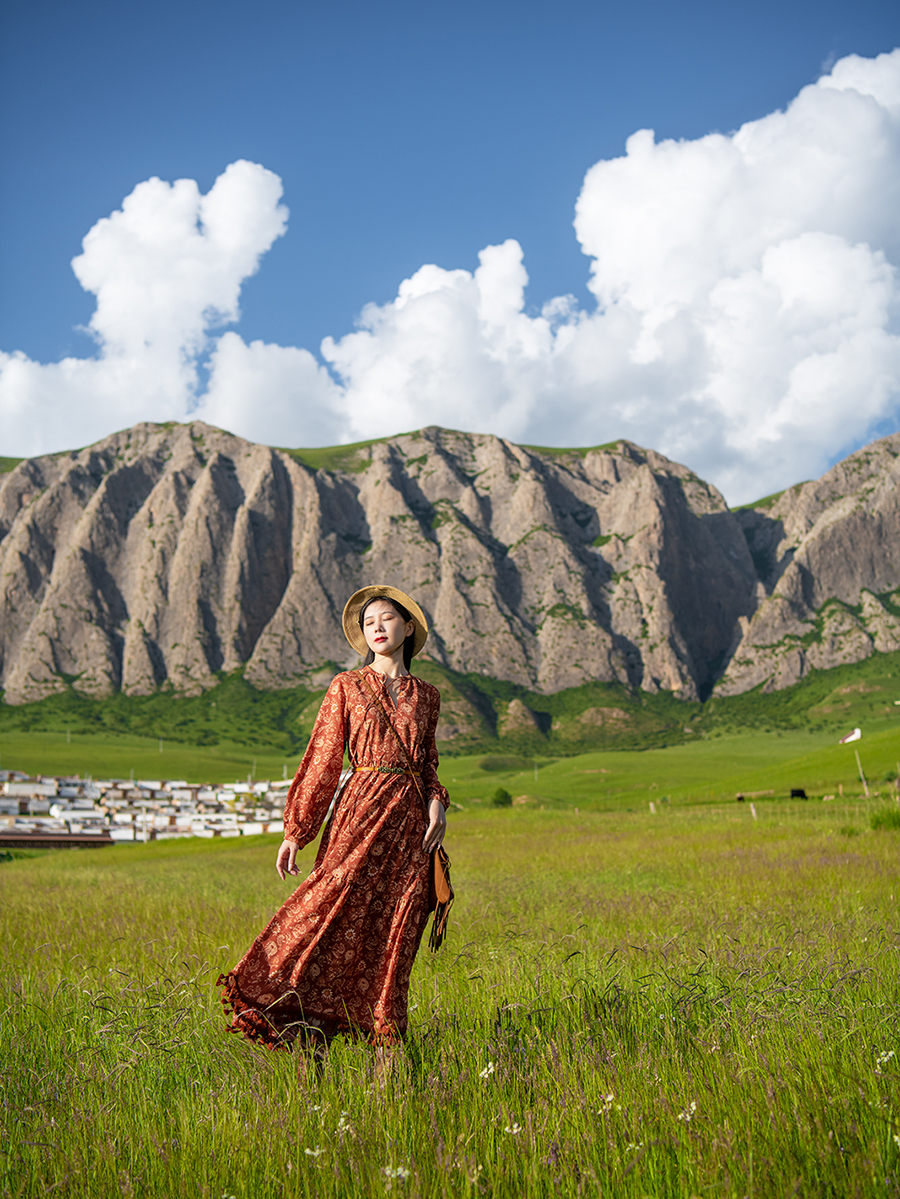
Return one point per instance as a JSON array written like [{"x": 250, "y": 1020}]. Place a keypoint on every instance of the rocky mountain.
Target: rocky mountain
[
  {"x": 167, "y": 553},
  {"x": 164, "y": 554},
  {"x": 828, "y": 558}
]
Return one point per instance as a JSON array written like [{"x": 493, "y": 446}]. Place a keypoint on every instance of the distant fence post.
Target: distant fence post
[{"x": 861, "y": 775}]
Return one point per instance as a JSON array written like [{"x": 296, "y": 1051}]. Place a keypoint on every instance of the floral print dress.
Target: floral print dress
[{"x": 338, "y": 955}]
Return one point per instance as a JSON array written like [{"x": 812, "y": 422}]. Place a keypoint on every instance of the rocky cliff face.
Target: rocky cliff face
[
  {"x": 828, "y": 558},
  {"x": 164, "y": 554}
]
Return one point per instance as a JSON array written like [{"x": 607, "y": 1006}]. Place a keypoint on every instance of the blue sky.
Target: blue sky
[{"x": 404, "y": 134}]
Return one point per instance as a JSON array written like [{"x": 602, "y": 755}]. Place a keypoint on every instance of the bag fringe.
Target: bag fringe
[
  {"x": 442, "y": 906},
  {"x": 439, "y": 925}
]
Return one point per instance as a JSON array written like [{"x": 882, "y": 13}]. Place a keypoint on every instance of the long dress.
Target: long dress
[{"x": 338, "y": 955}]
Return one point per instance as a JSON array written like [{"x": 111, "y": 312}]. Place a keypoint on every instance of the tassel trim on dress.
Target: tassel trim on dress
[
  {"x": 251, "y": 1022},
  {"x": 246, "y": 1018}
]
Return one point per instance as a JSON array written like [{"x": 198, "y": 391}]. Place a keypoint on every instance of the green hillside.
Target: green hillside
[
  {"x": 476, "y": 714},
  {"x": 576, "y": 747}
]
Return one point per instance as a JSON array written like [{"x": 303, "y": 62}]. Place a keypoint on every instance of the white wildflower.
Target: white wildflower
[
  {"x": 688, "y": 1114},
  {"x": 631, "y": 1145},
  {"x": 488, "y": 1070},
  {"x": 343, "y": 1123},
  {"x": 607, "y": 1103},
  {"x": 515, "y": 1129},
  {"x": 314, "y": 1152},
  {"x": 400, "y": 1172},
  {"x": 884, "y": 1058}
]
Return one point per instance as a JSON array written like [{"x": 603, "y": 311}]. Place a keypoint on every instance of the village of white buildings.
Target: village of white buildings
[{"x": 70, "y": 810}]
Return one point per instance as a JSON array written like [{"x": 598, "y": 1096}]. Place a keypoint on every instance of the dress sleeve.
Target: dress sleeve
[
  {"x": 317, "y": 776},
  {"x": 432, "y": 787}
]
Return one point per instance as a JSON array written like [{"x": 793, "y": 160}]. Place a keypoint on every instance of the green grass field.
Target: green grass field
[
  {"x": 710, "y": 770},
  {"x": 697, "y": 999},
  {"x": 698, "y": 1002},
  {"x": 118, "y": 755},
  {"x": 716, "y": 768}
]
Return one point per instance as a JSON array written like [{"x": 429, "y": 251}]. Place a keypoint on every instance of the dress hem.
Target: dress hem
[{"x": 249, "y": 1021}]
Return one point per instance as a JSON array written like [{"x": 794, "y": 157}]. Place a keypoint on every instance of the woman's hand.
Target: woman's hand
[
  {"x": 285, "y": 863},
  {"x": 437, "y": 826}
]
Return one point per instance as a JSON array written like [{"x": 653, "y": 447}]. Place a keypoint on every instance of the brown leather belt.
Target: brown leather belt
[{"x": 387, "y": 770}]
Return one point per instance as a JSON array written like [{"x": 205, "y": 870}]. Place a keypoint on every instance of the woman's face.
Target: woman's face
[{"x": 384, "y": 628}]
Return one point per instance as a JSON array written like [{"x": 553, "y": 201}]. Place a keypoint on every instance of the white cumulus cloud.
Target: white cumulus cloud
[
  {"x": 747, "y": 303},
  {"x": 454, "y": 349},
  {"x": 165, "y": 268},
  {"x": 278, "y": 395},
  {"x": 745, "y": 318}
]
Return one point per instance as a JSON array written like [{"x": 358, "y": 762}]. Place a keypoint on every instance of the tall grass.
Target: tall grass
[
  {"x": 693, "y": 1003},
  {"x": 885, "y": 817}
]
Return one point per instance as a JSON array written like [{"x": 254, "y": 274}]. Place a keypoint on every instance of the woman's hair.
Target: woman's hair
[{"x": 410, "y": 641}]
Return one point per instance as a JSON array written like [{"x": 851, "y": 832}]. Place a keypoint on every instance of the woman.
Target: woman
[{"x": 338, "y": 955}]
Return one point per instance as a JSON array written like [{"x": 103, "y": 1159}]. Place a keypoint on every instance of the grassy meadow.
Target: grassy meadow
[
  {"x": 711, "y": 769},
  {"x": 703, "y": 1001},
  {"x": 113, "y": 755},
  {"x": 648, "y": 989}
]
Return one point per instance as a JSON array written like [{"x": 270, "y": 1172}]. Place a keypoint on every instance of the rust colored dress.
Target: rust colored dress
[{"x": 338, "y": 955}]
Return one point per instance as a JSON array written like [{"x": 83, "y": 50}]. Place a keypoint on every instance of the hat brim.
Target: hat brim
[{"x": 358, "y": 601}]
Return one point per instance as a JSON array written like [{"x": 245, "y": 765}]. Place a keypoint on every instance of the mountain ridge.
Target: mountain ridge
[{"x": 165, "y": 554}]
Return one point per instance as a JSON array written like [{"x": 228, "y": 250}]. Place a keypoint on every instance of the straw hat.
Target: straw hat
[{"x": 358, "y": 601}]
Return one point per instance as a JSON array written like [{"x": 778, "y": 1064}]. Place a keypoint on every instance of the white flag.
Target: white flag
[{"x": 856, "y": 735}]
